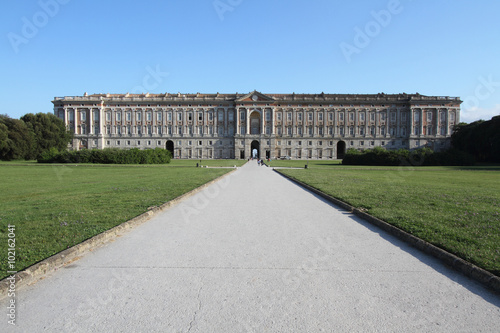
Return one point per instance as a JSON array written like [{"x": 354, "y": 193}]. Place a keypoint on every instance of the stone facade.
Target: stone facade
[{"x": 301, "y": 126}]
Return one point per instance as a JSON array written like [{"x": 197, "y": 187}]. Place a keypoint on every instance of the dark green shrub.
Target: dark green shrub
[{"x": 107, "y": 156}]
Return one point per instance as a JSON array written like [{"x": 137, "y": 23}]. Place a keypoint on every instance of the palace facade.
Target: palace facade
[{"x": 300, "y": 126}]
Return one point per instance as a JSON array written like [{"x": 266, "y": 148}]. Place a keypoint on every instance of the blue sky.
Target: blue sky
[{"x": 67, "y": 47}]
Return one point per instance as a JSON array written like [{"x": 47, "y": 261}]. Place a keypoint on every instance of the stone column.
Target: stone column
[
  {"x": 91, "y": 121},
  {"x": 75, "y": 120}
]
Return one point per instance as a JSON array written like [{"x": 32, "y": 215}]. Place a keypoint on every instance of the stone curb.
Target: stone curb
[
  {"x": 468, "y": 269},
  {"x": 37, "y": 271}
]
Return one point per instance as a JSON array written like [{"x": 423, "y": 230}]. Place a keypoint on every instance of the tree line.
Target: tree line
[
  {"x": 27, "y": 138},
  {"x": 480, "y": 139}
]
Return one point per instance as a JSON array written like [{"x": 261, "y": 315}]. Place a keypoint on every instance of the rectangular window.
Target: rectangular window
[
  {"x": 330, "y": 116},
  {"x": 169, "y": 116},
  {"x": 96, "y": 115},
  {"x": 310, "y": 116},
  {"x": 429, "y": 116},
  {"x": 299, "y": 130},
  {"x": 289, "y": 116},
  {"x": 190, "y": 116},
  {"x": 129, "y": 116},
  {"x": 221, "y": 116},
  {"x": 351, "y": 116},
  {"x": 299, "y": 116},
  {"x": 148, "y": 116},
  {"x": 158, "y": 116},
  {"x": 372, "y": 116},
  {"x": 341, "y": 116},
  {"x": 320, "y": 116},
  {"x": 138, "y": 116},
  {"x": 242, "y": 115},
  {"x": 393, "y": 116},
  {"x": 278, "y": 116},
  {"x": 118, "y": 116},
  {"x": 268, "y": 115},
  {"x": 362, "y": 116},
  {"x": 83, "y": 115},
  {"x": 179, "y": 116}
]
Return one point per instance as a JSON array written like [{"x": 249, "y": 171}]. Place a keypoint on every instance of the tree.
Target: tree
[
  {"x": 49, "y": 132},
  {"x": 480, "y": 138},
  {"x": 19, "y": 141}
]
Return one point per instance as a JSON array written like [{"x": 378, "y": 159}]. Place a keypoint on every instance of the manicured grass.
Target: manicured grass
[
  {"x": 209, "y": 163},
  {"x": 54, "y": 207},
  {"x": 457, "y": 209},
  {"x": 302, "y": 163}
]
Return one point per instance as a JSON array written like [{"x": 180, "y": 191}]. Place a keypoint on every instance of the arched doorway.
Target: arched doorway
[
  {"x": 255, "y": 145},
  {"x": 340, "y": 150},
  {"x": 170, "y": 147},
  {"x": 255, "y": 123}
]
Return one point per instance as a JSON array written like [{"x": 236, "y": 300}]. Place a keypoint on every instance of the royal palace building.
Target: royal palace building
[{"x": 299, "y": 126}]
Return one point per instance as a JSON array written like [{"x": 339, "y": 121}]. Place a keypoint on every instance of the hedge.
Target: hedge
[
  {"x": 107, "y": 156},
  {"x": 418, "y": 157}
]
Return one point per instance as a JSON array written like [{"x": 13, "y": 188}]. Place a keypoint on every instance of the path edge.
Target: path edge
[
  {"x": 470, "y": 270},
  {"x": 38, "y": 271}
]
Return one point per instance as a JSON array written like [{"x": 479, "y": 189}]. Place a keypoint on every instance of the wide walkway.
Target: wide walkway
[{"x": 255, "y": 253}]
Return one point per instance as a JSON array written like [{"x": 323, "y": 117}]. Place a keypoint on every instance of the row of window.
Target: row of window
[
  {"x": 199, "y": 130},
  {"x": 268, "y": 114}
]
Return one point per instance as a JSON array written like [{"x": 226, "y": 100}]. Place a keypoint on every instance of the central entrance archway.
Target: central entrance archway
[
  {"x": 340, "y": 150},
  {"x": 255, "y": 146},
  {"x": 170, "y": 147}
]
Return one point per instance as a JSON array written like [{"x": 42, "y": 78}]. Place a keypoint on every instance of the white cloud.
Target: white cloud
[{"x": 476, "y": 113}]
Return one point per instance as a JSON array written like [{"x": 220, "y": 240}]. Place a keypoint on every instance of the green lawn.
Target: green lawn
[
  {"x": 457, "y": 209},
  {"x": 303, "y": 163},
  {"x": 57, "y": 206},
  {"x": 209, "y": 163}
]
